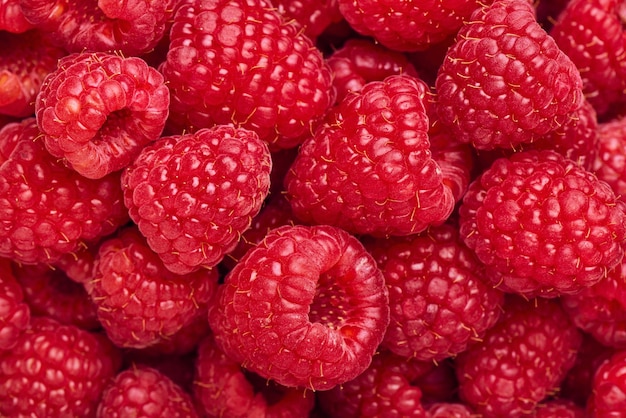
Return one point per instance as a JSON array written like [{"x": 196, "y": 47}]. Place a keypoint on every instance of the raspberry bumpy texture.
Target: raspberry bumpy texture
[{"x": 307, "y": 307}]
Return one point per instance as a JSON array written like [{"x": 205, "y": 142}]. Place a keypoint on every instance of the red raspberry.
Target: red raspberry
[
  {"x": 78, "y": 266},
  {"x": 313, "y": 15},
  {"x": 193, "y": 195},
  {"x": 306, "y": 307},
  {"x": 384, "y": 390},
  {"x": 14, "y": 312},
  {"x": 370, "y": 169},
  {"x": 132, "y": 27},
  {"x": 238, "y": 61},
  {"x": 542, "y": 225},
  {"x": 55, "y": 371},
  {"x": 610, "y": 163},
  {"x": 223, "y": 389},
  {"x": 27, "y": 58},
  {"x": 98, "y": 110},
  {"x": 178, "y": 368},
  {"x": 558, "y": 408},
  {"x": 449, "y": 410},
  {"x": 12, "y": 18},
  {"x": 407, "y": 25},
  {"x": 438, "y": 302},
  {"x": 591, "y": 33},
  {"x": 46, "y": 209},
  {"x": 520, "y": 361},
  {"x": 608, "y": 394},
  {"x": 505, "y": 82},
  {"x": 437, "y": 381},
  {"x": 139, "y": 301},
  {"x": 144, "y": 392},
  {"x": 51, "y": 293}
]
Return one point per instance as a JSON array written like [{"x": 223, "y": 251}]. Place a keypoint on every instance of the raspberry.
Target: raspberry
[
  {"x": 609, "y": 164},
  {"x": 313, "y": 15},
  {"x": 558, "y": 408},
  {"x": 12, "y": 18},
  {"x": 223, "y": 389},
  {"x": 98, "y": 110},
  {"x": 520, "y": 361},
  {"x": 504, "y": 81},
  {"x": 193, "y": 195},
  {"x": 542, "y": 225},
  {"x": 306, "y": 307},
  {"x": 449, "y": 410},
  {"x": 178, "y": 368},
  {"x": 370, "y": 169},
  {"x": 407, "y": 26},
  {"x": 438, "y": 302},
  {"x": 55, "y": 371},
  {"x": 608, "y": 394},
  {"x": 14, "y": 312},
  {"x": 144, "y": 392},
  {"x": 132, "y": 27},
  {"x": 238, "y": 61},
  {"x": 139, "y": 301},
  {"x": 46, "y": 209}
]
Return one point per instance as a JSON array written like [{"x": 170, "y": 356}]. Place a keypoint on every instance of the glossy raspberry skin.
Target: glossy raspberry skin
[
  {"x": 46, "y": 209},
  {"x": 608, "y": 395},
  {"x": 144, "y": 392},
  {"x": 306, "y": 307},
  {"x": 98, "y": 110},
  {"x": 369, "y": 170},
  {"x": 407, "y": 26},
  {"x": 193, "y": 195},
  {"x": 240, "y": 62},
  {"x": 521, "y": 360},
  {"x": 223, "y": 389},
  {"x": 132, "y": 27},
  {"x": 438, "y": 301},
  {"x": 313, "y": 15},
  {"x": 12, "y": 18},
  {"x": 449, "y": 410},
  {"x": 14, "y": 312},
  {"x": 558, "y": 408},
  {"x": 542, "y": 225},
  {"x": 139, "y": 301},
  {"x": 55, "y": 371},
  {"x": 610, "y": 164},
  {"x": 505, "y": 82}
]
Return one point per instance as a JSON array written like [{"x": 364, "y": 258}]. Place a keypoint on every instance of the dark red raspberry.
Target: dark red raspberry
[
  {"x": 12, "y": 18},
  {"x": 505, "y": 82},
  {"x": 542, "y": 224},
  {"x": 306, "y": 307},
  {"x": 26, "y": 59},
  {"x": 223, "y": 389},
  {"x": 313, "y": 15},
  {"x": 558, "y": 408},
  {"x": 520, "y": 361},
  {"x": 610, "y": 163},
  {"x": 438, "y": 301},
  {"x": 384, "y": 390},
  {"x": 98, "y": 110},
  {"x": 591, "y": 33},
  {"x": 144, "y": 392},
  {"x": 239, "y": 61},
  {"x": 55, "y": 371},
  {"x": 437, "y": 381},
  {"x": 449, "y": 410},
  {"x": 49, "y": 292},
  {"x": 78, "y": 265},
  {"x": 46, "y": 209},
  {"x": 139, "y": 301},
  {"x": 193, "y": 195},
  {"x": 370, "y": 169},
  {"x": 608, "y": 393},
  {"x": 132, "y": 27},
  {"x": 407, "y": 25},
  {"x": 14, "y": 312}
]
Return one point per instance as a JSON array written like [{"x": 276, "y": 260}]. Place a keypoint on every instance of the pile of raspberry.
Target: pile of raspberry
[{"x": 313, "y": 208}]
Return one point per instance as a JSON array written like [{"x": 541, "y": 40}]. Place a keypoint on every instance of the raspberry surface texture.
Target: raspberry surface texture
[
  {"x": 608, "y": 393},
  {"x": 12, "y": 18},
  {"x": 14, "y": 312},
  {"x": 307, "y": 307},
  {"x": 193, "y": 195},
  {"x": 610, "y": 162}
]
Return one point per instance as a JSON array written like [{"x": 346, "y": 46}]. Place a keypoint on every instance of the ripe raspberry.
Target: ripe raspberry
[
  {"x": 610, "y": 163},
  {"x": 384, "y": 390},
  {"x": 132, "y": 27},
  {"x": 46, "y": 209},
  {"x": 52, "y": 294},
  {"x": 144, "y": 392},
  {"x": 449, "y": 410},
  {"x": 193, "y": 195},
  {"x": 223, "y": 389},
  {"x": 608, "y": 394},
  {"x": 178, "y": 368},
  {"x": 591, "y": 33},
  {"x": 313, "y": 15},
  {"x": 558, "y": 408},
  {"x": 505, "y": 82},
  {"x": 407, "y": 26},
  {"x": 55, "y": 371},
  {"x": 542, "y": 225},
  {"x": 78, "y": 266},
  {"x": 240, "y": 62},
  {"x": 438, "y": 302},
  {"x": 306, "y": 307},
  {"x": 370, "y": 169},
  {"x": 98, "y": 110},
  {"x": 12, "y": 18},
  {"x": 14, "y": 312},
  {"x": 437, "y": 381},
  {"x": 139, "y": 301},
  {"x": 520, "y": 361}
]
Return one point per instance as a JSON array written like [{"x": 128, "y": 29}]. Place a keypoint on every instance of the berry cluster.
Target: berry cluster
[{"x": 313, "y": 208}]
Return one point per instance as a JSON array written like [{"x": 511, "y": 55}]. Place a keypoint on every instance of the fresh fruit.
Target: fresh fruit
[
  {"x": 610, "y": 163},
  {"x": 608, "y": 392},
  {"x": 14, "y": 312}
]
